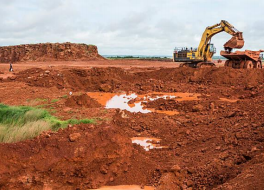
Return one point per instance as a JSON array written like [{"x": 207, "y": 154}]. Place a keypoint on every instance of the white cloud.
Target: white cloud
[{"x": 151, "y": 27}]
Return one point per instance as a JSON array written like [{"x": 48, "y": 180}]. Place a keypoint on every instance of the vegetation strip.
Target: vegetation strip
[{"x": 18, "y": 123}]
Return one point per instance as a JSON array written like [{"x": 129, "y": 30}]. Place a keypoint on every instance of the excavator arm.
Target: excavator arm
[{"x": 236, "y": 41}]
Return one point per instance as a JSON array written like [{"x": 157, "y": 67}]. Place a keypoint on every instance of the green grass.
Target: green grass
[
  {"x": 65, "y": 96},
  {"x": 21, "y": 122},
  {"x": 43, "y": 105},
  {"x": 36, "y": 101},
  {"x": 54, "y": 100},
  {"x": 41, "y": 99}
]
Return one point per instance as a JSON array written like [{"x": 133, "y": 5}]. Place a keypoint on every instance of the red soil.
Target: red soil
[
  {"x": 82, "y": 101},
  {"x": 211, "y": 143}
]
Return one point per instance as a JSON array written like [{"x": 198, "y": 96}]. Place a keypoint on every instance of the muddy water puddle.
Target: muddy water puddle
[
  {"x": 148, "y": 143},
  {"x": 228, "y": 100},
  {"x": 133, "y": 102},
  {"x": 122, "y": 102},
  {"x": 126, "y": 187}
]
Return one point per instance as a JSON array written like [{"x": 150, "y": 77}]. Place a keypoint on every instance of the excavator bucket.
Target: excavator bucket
[{"x": 236, "y": 41}]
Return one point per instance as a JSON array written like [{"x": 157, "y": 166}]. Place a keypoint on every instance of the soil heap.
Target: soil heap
[
  {"x": 82, "y": 101},
  {"x": 80, "y": 157},
  {"x": 49, "y": 52}
]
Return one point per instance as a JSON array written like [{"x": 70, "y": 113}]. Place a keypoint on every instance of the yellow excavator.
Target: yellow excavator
[{"x": 202, "y": 56}]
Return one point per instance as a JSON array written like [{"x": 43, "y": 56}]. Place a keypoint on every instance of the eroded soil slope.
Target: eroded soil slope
[{"x": 49, "y": 52}]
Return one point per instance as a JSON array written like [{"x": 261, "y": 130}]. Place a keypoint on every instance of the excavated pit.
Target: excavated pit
[{"x": 214, "y": 141}]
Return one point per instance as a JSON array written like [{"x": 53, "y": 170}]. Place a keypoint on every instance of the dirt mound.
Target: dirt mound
[
  {"x": 162, "y": 104},
  {"x": 250, "y": 178},
  {"x": 163, "y": 80},
  {"x": 41, "y": 78},
  {"x": 79, "y": 157},
  {"x": 227, "y": 76},
  {"x": 220, "y": 76},
  {"x": 214, "y": 145},
  {"x": 172, "y": 105},
  {"x": 82, "y": 101},
  {"x": 95, "y": 79},
  {"x": 49, "y": 52}
]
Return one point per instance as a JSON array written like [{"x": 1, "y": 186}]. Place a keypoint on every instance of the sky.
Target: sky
[{"x": 129, "y": 27}]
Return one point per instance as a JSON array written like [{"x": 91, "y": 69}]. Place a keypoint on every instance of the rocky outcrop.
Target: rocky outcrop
[{"x": 49, "y": 52}]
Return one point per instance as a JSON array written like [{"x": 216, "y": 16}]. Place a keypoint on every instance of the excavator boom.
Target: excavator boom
[{"x": 236, "y": 41}]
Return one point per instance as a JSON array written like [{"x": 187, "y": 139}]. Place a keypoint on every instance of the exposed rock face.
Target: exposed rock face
[{"x": 49, "y": 52}]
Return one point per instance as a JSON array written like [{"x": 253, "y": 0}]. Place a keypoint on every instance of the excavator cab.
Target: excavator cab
[{"x": 212, "y": 48}]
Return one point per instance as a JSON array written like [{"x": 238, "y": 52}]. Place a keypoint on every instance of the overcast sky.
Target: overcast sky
[{"x": 129, "y": 27}]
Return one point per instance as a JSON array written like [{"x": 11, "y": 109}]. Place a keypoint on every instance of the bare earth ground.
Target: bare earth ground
[{"x": 215, "y": 142}]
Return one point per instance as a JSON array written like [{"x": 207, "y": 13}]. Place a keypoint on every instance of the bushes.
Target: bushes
[{"x": 20, "y": 122}]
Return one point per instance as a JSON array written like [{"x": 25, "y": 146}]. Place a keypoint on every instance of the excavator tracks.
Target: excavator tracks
[
  {"x": 198, "y": 65},
  {"x": 205, "y": 64}
]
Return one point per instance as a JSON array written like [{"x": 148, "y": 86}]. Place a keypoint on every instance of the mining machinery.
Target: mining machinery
[{"x": 202, "y": 56}]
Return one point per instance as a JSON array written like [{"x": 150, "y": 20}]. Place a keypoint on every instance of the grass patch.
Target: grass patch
[
  {"x": 54, "y": 100},
  {"x": 22, "y": 122},
  {"x": 36, "y": 101},
  {"x": 41, "y": 100},
  {"x": 43, "y": 105},
  {"x": 104, "y": 111},
  {"x": 65, "y": 96}
]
